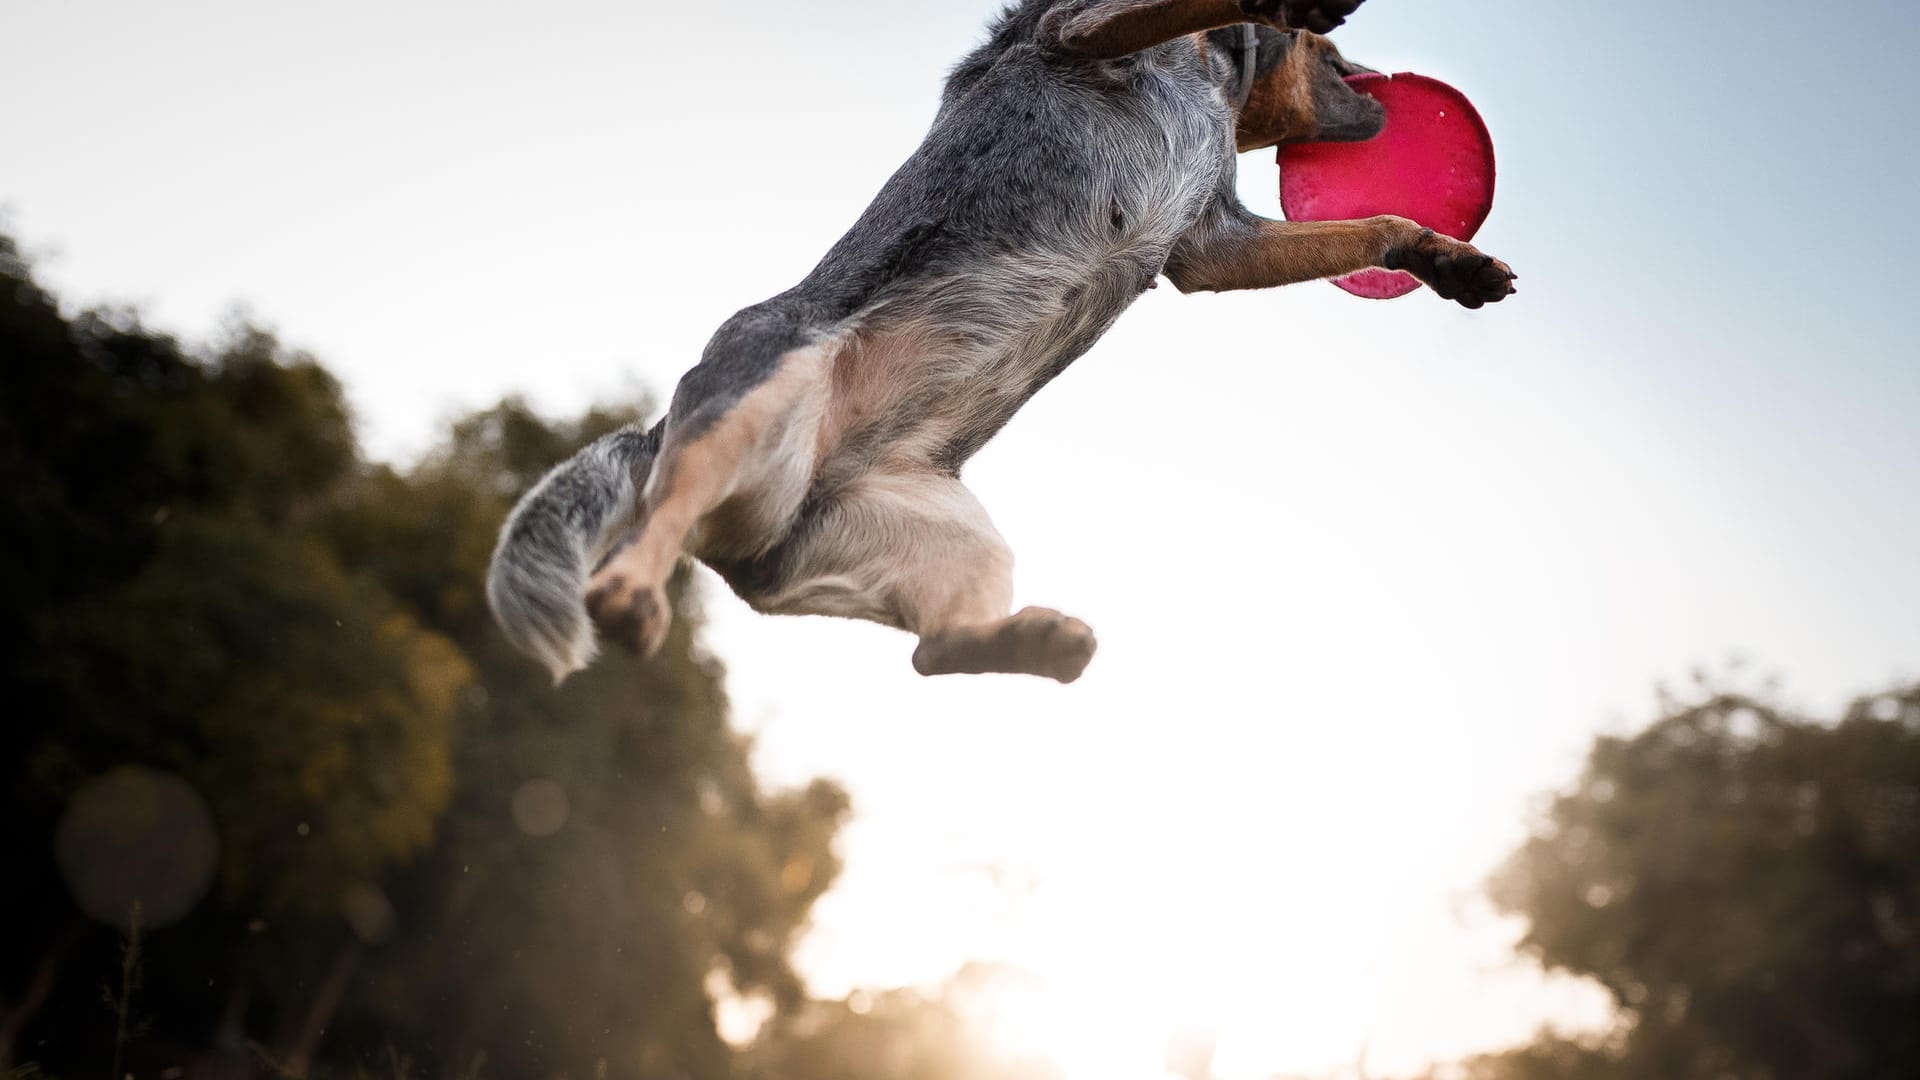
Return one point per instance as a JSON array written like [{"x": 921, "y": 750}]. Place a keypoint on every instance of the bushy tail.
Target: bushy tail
[{"x": 553, "y": 540}]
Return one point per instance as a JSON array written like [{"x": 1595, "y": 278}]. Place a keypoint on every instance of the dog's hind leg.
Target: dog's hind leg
[
  {"x": 733, "y": 471},
  {"x": 916, "y": 551}
]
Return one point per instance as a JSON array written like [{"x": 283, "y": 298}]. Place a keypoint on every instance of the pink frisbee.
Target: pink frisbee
[{"x": 1433, "y": 162}]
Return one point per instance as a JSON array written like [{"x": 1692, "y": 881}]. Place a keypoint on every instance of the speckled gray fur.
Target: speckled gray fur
[{"x": 1048, "y": 194}]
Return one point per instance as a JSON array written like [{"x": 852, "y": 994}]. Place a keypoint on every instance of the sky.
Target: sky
[{"x": 1368, "y": 577}]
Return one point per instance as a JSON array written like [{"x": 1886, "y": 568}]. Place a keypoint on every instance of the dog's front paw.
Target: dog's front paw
[
  {"x": 1319, "y": 16},
  {"x": 634, "y": 615},
  {"x": 1456, "y": 270}
]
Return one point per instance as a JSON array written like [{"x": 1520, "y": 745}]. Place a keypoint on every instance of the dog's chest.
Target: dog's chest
[
  {"x": 943, "y": 361},
  {"x": 1159, "y": 152},
  {"x": 1163, "y": 147}
]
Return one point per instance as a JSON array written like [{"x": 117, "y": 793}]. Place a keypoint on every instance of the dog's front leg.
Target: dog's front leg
[
  {"x": 1107, "y": 29},
  {"x": 1247, "y": 252}
]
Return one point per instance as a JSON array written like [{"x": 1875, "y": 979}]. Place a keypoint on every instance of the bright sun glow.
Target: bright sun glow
[
  {"x": 1126, "y": 1008},
  {"x": 1088, "y": 1034},
  {"x": 1104, "y": 1001}
]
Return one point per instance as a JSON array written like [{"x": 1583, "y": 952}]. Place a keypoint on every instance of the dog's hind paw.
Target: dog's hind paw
[
  {"x": 1455, "y": 270},
  {"x": 1036, "y": 641},
  {"x": 632, "y": 615}
]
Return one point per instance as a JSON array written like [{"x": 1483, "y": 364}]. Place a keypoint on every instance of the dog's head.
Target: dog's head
[{"x": 1300, "y": 94}]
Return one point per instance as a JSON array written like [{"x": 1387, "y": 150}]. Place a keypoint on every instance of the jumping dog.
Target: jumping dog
[{"x": 812, "y": 458}]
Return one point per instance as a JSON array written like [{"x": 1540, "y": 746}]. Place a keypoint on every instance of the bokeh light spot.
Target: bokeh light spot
[
  {"x": 137, "y": 834},
  {"x": 540, "y": 807}
]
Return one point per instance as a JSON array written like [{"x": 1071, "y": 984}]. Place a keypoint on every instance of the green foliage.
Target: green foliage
[
  {"x": 597, "y": 938},
  {"x": 427, "y": 852},
  {"x": 313, "y": 713},
  {"x": 1746, "y": 884},
  {"x": 175, "y": 613}
]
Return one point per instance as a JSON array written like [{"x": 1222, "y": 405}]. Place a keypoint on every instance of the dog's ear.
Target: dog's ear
[{"x": 1300, "y": 95}]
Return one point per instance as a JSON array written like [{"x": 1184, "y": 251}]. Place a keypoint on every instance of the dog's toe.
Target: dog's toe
[
  {"x": 1483, "y": 280},
  {"x": 1455, "y": 270},
  {"x": 1048, "y": 643},
  {"x": 633, "y": 616},
  {"x": 1071, "y": 650}
]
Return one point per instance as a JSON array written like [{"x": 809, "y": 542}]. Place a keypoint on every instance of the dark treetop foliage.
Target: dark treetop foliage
[
  {"x": 1746, "y": 885},
  {"x": 426, "y": 853}
]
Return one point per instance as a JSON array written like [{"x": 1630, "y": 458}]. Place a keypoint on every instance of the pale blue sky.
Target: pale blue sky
[{"x": 1367, "y": 576}]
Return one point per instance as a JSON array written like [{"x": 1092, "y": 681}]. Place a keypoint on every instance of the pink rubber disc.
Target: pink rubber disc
[{"x": 1433, "y": 163}]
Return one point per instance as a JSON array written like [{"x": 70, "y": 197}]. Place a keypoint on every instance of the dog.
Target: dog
[{"x": 812, "y": 458}]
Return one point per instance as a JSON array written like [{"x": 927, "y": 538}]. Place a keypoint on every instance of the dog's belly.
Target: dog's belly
[{"x": 926, "y": 378}]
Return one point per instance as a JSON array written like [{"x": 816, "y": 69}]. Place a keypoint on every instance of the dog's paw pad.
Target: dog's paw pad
[
  {"x": 1456, "y": 271},
  {"x": 633, "y": 616},
  {"x": 1051, "y": 644}
]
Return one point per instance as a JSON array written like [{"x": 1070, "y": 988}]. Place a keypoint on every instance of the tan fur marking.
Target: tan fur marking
[
  {"x": 696, "y": 478},
  {"x": 871, "y": 372},
  {"x": 1285, "y": 252},
  {"x": 1280, "y": 108}
]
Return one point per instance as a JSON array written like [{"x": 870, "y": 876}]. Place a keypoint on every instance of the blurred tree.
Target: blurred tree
[
  {"x": 170, "y": 612},
  {"x": 609, "y": 850},
  {"x": 424, "y": 848},
  {"x": 1746, "y": 884},
  {"x": 906, "y": 1035}
]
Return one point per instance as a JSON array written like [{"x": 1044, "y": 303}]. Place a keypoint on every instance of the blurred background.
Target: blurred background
[{"x": 1533, "y": 695}]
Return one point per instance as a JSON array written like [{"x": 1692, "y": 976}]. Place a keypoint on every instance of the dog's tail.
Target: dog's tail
[{"x": 553, "y": 540}]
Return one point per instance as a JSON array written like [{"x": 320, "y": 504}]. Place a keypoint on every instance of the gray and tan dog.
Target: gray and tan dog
[{"x": 812, "y": 458}]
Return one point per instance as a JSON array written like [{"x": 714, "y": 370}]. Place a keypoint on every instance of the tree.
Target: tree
[
  {"x": 609, "y": 848},
  {"x": 426, "y": 852},
  {"x": 1745, "y": 883},
  {"x": 170, "y": 611}
]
